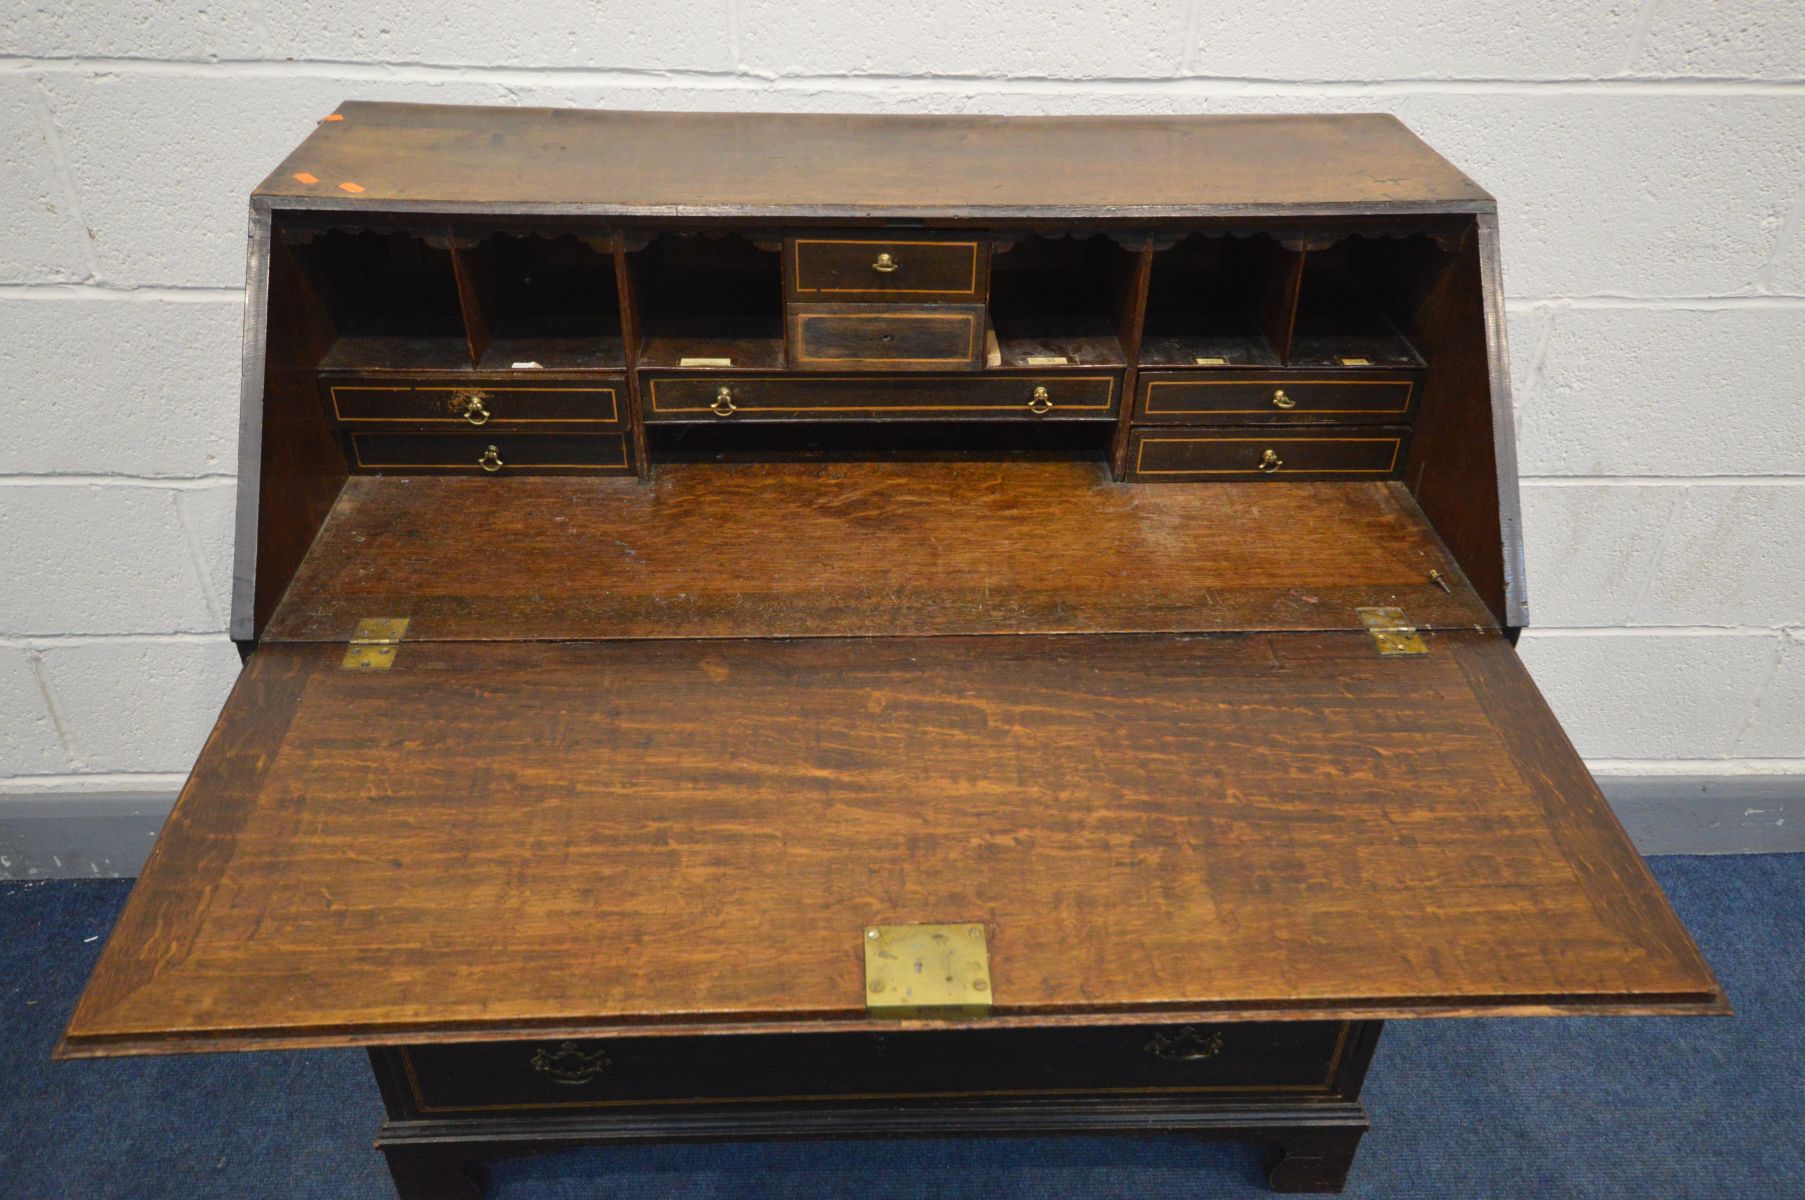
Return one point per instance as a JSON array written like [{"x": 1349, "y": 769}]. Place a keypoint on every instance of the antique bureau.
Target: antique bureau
[{"x": 830, "y": 626}]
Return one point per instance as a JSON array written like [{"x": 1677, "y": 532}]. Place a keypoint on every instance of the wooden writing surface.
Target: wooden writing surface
[
  {"x": 865, "y": 549},
  {"x": 500, "y": 840}
]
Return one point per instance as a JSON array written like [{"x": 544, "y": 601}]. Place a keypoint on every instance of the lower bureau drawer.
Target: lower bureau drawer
[
  {"x": 1281, "y": 1057},
  {"x": 1191, "y": 454},
  {"x": 1260, "y": 398},
  {"x": 492, "y": 454},
  {"x": 990, "y": 397},
  {"x": 595, "y": 403},
  {"x": 940, "y": 337}
]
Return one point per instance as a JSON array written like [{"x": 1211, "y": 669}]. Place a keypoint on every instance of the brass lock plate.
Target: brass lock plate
[{"x": 927, "y": 970}]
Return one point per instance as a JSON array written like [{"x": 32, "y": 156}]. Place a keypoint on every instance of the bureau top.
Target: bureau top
[{"x": 456, "y": 158}]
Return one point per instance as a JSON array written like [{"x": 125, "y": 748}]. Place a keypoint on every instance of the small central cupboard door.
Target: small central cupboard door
[{"x": 523, "y": 839}]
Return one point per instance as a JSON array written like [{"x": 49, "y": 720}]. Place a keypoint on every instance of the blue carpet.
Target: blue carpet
[{"x": 1463, "y": 1110}]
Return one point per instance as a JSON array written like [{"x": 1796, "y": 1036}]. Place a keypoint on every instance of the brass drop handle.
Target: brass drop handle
[
  {"x": 474, "y": 412},
  {"x": 1280, "y": 400},
  {"x": 491, "y": 460},
  {"x": 723, "y": 405},
  {"x": 884, "y": 264},
  {"x": 1040, "y": 402},
  {"x": 569, "y": 1064},
  {"x": 1270, "y": 461}
]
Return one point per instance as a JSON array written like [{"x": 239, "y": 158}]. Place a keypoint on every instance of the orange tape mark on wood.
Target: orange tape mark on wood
[
  {"x": 304, "y": 177},
  {"x": 334, "y": 117},
  {"x": 353, "y": 188}
]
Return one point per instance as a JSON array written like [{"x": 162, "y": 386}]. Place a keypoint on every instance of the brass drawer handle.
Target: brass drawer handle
[
  {"x": 1270, "y": 461},
  {"x": 1280, "y": 400},
  {"x": 491, "y": 460},
  {"x": 1040, "y": 402},
  {"x": 569, "y": 1064},
  {"x": 723, "y": 405},
  {"x": 884, "y": 264},
  {"x": 474, "y": 412},
  {"x": 1187, "y": 1045}
]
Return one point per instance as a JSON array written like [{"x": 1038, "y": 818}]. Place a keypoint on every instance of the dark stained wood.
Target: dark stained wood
[
  {"x": 798, "y": 549},
  {"x": 897, "y": 337},
  {"x": 1283, "y": 397},
  {"x": 491, "y": 452},
  {"x": 301, "y": 466},
  {"x": 1252, "y": 1058},
  {"x": 496, "y": 401},
  {"x": 837, "y": 268},
  {"x": 476, "y": 319},
  {"x": 1454, "y": 444},
  {"x": 664, "y": 165},
  {"x": 1128, "y": 304},
  {"x": 523, "y": 839},
  {"x": 630, "y": 285},
  {"x": 441, "y": 1154},
  {"x": 1324, "y": 452},
  {"x": 848, "y": 396},
  {"x": 1276, "y": 274}
]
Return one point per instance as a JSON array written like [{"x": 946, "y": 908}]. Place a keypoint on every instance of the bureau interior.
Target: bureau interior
[{"x": 1326, "y": 354}]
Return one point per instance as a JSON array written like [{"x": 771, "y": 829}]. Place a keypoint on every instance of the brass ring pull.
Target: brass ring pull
[
  {"x": 1187, "y": 1045},
  {"x": 568, "y": 1064},
  {"x": 1270, "y": 461},
  {"x": 1041, "y": 402},
  {"x": 491, "y": 460},
  {"x": 474, "y": 412},
  {"x": 723, "y": 405},
  {"x": 884, "y": 264},
  {"x": 1280, "y": 400}
]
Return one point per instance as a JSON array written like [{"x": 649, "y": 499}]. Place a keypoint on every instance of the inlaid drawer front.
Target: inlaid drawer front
[
  {"x": 366, "y": 402},
  {"x": 1187, "y": 454},
  {"x": 491, "y": 454},
  {"x": 991, "y": 397},
  {"x": 930, "y": 269},
  {"x": 1235, "y": 1060},
  {"x": 824, "y": 337},
  {"x": 1192, "y": 398}
]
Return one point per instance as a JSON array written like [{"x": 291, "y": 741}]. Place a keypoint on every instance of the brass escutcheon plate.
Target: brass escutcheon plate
[{"x": 927, "y": 970}]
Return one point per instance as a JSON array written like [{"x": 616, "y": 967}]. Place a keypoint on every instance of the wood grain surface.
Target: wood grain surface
[
  {"x": 864, "y": 549},
  {"x": 507, "y": 839},
  {"x": 667, "y": 166}
]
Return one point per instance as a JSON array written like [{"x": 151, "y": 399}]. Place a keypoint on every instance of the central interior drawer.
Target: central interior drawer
[
  {"x": 1289, "y": 1057},
  {"x": 918, "y": 337},
  {"x": 990, "y": 397},
  {"x": 909, "y": 270}
]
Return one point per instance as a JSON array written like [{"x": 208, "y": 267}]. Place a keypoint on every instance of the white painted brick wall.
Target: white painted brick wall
[{"x": 1647, "y": 155}]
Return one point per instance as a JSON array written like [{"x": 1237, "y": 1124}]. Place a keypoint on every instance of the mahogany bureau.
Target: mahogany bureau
[{"x": 826, "y": 626}]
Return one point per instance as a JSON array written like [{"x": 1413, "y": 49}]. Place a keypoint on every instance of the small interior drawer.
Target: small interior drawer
[
  {"x": 1276, "y": 397},
  {"x": 938, "y": 337},
  {"x": 368, "y": 401},
  {"x": 1243, "y": 454},
  {"x": 1232, "y": 1059},
  {"x": 838, "y": 269},
  {"x": 491, "y": 453},
  {"x": 973, "y": 397}
]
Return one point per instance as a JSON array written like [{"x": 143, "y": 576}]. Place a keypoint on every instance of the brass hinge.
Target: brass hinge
[
  {"x": 1391, "y": 633},
  {"x": 374, "y": 643},
  {"x": 927, "y": 971}
]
